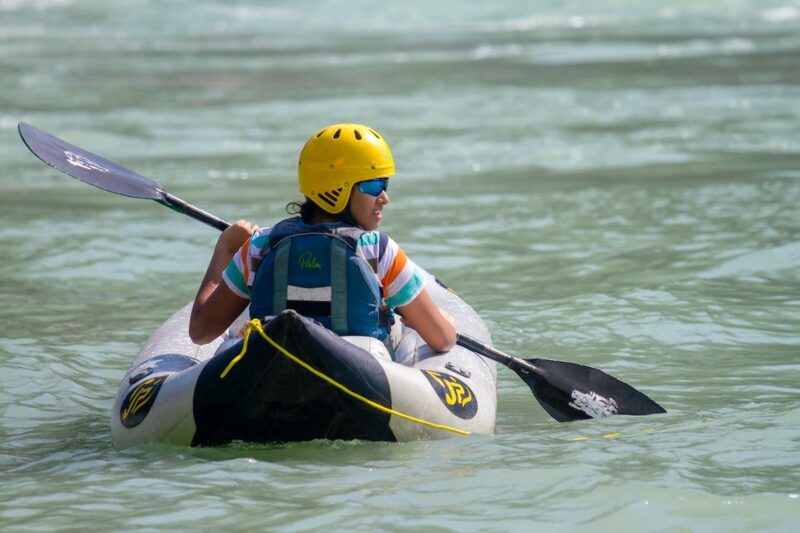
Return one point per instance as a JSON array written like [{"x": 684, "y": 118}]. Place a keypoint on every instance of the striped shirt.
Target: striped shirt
[{"x": 400, "y": 279}]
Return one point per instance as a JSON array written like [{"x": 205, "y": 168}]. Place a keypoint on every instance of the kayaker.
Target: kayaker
[{"x": 329, "y": 263}]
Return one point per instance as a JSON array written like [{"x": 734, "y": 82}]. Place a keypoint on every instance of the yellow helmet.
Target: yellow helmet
[{"x": 338, "y": 156}]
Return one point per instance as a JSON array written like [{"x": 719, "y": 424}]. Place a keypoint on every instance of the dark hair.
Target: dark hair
[{"x": 308, "y": 210}]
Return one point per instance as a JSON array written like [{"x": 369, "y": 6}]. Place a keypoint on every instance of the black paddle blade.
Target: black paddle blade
[
  {"x": 86, "y": 166},
  {"x": 570, "y": 391}
]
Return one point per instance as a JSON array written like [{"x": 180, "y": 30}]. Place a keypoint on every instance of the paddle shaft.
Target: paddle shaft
[
  {"x": 183, "y": 207},
  {"x": 516, "y": 364}
]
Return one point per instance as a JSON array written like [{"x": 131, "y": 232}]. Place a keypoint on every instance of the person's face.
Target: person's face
[{"x": 366, "y": 206}]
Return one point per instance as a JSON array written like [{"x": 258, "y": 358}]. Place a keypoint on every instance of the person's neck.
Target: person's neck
[{"x": 323, "y": 219}]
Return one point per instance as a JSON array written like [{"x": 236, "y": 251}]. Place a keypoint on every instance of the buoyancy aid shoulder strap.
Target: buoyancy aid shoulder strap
[
  {"x": 280, "y": 276},
  {"x": 339, "y": 285}
]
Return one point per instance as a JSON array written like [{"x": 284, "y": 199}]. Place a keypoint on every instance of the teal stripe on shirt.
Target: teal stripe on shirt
[
  {"x": 260, "y": 241},
  {"x": 236, "y": 279},
  {"x": 368, "y": 239},
  {"x": 407, "y": 293}
]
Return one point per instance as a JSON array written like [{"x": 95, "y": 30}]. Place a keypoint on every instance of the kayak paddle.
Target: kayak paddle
[
  {"x": 102, "y": 173},
  {"x": 567, "y": 391}
]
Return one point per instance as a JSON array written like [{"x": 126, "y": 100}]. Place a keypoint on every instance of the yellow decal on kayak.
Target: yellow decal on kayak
[
  {"x": 139, "y": 401},
  {"x": 454, "y": 393}
]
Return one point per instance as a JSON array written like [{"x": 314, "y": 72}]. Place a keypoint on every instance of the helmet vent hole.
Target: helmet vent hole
[
  {"x": 324, "y": 198},
  {"x": 375, "y": 133},
  {"x": 357, "y": 134},
  {"x": 336, "y": 135},
  {"x": 321, "y": 132},
  {"x": 330, "y": 197}
]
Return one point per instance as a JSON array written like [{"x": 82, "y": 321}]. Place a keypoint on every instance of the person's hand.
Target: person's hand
[{"x": 234, "y": 237}]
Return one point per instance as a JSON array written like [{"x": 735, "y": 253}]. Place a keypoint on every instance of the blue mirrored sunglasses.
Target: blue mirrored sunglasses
[{"x": 374, "y": 187}]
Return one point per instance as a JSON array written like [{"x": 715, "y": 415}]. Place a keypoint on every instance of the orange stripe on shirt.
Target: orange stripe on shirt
[
  {"x": 245, "y": 266},
  {"x": 397, "y": 267}
]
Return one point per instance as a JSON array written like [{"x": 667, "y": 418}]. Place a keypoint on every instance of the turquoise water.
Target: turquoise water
[{"x": 610, "y": 183}]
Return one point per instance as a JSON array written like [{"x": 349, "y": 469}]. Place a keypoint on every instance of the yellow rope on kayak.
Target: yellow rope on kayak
[{"x": 255, "y": 324}]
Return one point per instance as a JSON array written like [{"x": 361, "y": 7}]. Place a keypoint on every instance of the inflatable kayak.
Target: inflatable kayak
[{"x": 293, "y": 380}]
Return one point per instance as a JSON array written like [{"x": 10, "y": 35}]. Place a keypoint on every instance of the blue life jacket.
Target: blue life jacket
[{"x": 315, "y": 270}]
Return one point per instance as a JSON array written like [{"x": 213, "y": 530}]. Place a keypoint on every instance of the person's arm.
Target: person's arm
[
  {"x": 434, "y": 326},
  {"x": 404, "y": 290},
  {"x": 216, "y": 306}
]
